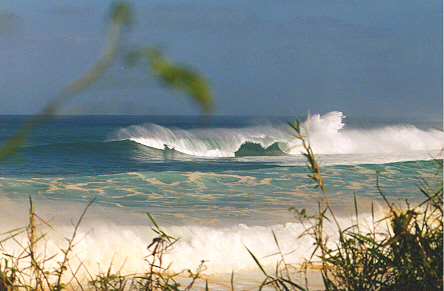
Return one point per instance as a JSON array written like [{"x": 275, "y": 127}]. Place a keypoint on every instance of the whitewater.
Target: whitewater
[
  {"x": 326, "y": 134},
  {"x": 218, "y": 187}
]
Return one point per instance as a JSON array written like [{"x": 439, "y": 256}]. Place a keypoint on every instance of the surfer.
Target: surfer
[{"x": 168, "y": 153}]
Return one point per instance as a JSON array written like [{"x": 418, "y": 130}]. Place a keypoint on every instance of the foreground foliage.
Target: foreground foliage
[
  {"x": 176, "y": 77},
  {"x": 403, "y": 251},
  {"x": 28, "y": 265}
]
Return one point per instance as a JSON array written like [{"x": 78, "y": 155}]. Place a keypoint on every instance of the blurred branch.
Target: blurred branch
[{"x": 171, "y": 75}]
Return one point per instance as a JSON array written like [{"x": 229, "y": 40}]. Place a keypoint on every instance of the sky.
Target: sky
[{"x": 376, "y": 58}]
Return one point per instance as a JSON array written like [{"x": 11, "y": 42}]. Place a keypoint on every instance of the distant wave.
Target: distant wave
[
  {"x": 326, "y": 133},
  {"x": 328, "y": 136},
  {"x": 213, "y": 142}
]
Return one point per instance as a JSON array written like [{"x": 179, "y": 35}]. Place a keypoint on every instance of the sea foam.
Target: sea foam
[
  {"x": 100, "y": 245},
  {"x": 327, "y": 133}
]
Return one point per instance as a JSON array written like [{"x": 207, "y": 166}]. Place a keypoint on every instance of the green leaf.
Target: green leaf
[
  {"x": 175, "y": 76},
  {"x": 152, "y": 220},
  {"x": 257, "y": 262},
  {"x": 295, "y": 126},
  {"x": 361, "y": 238}
]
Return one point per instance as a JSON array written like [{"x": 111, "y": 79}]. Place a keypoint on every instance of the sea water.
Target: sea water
[{"x": 220, "y": 185}]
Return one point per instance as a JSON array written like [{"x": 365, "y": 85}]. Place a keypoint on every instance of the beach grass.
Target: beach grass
[
  {"x": 26, "y": 263},
  {"x": 402, "y": 251}
]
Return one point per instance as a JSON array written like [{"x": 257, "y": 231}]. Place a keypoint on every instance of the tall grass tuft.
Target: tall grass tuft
[
  {"x": 402, "y": 251},
  {"x": 26, "y": 264}
]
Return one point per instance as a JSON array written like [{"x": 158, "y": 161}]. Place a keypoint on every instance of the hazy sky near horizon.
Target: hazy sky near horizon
[{"x": 262, "y": 57}]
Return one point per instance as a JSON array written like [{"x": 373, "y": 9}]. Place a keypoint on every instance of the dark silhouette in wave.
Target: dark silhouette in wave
[{"x": 254, "y": 149}]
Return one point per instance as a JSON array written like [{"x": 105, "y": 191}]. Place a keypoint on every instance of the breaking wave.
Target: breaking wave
[{"x": 328, "y": 135}]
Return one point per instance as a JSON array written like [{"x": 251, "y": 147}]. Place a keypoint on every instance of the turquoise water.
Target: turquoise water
[
  {"x": 219, "y": 185},
  {"x": 252, "y": 196}
]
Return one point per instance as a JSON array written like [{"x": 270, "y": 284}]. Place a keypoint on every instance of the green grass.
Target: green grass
[
  {"x": 403, "y": 251},
  {"x": 27, "y": 264}
]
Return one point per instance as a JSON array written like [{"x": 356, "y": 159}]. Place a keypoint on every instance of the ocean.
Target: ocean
[{"x": 220, "y": 185}]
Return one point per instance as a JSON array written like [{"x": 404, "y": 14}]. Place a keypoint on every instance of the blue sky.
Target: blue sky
[{"x": 262, "y": 57}]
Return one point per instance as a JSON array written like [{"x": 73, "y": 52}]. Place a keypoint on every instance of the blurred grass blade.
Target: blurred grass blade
[{"x": 232, "y": 280}]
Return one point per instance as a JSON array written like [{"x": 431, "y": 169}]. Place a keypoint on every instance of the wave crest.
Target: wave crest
[
  {"x": 327, "y": 133},
  {"x": 216, "y": 142}
]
